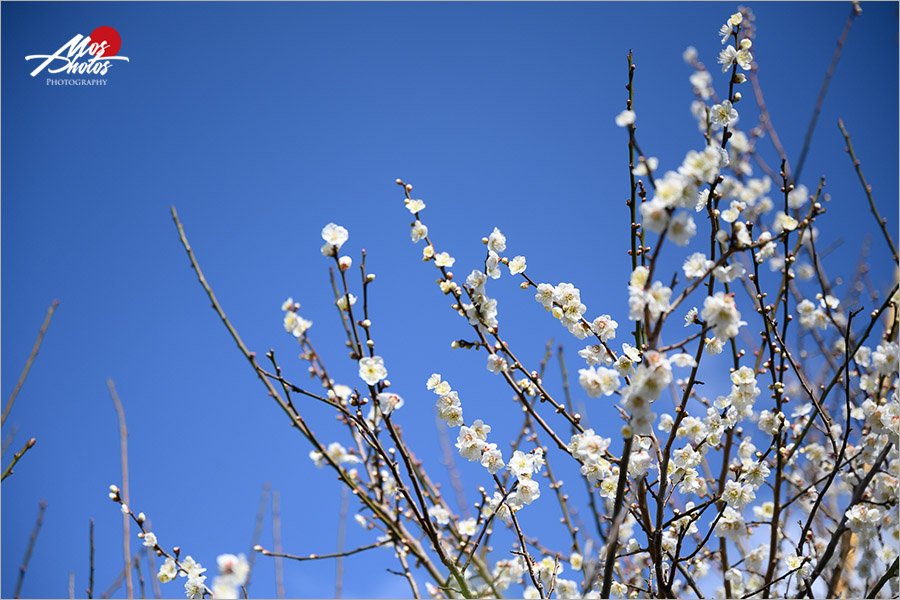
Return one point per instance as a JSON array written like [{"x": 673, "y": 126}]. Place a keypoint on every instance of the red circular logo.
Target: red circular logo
[{"x": 109, "y": 35}]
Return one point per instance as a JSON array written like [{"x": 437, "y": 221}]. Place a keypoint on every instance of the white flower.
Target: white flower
[
  {"x": 798, "y": 196},
  {"x": 194, "y": 588},
  {"x": 604, "y": 327},
  {"x": 731, "y": 524},
  {"x": 191, "y": 568},
  {"x": 467, "y": 527},
  {"x": 528, "y": 490},
  {"x": 697, "y": 265},
  {"x": 726, "y": 57},
  {"x": 414, "y": 206},
  {"x": 681, "y": 229},
  {"x": 598, "y": 381},
  {"x": 691, "y": 317},
  {"x": 223, "y": 588},
  {"x": 714, "y": 345},
  {"x": 492, "y": 265},
  {"x": 439, "y": 514},
  {"x": 720, "y": 313},
  {"x": 388, "y": 403},
  {"x": 689, "y": 55},
  {"x": 235, "y": 568},
  {"x": 150, "y": 539},
  {"x": 738, "y": 495},
  {"x": 492, "y": 459},
  {"x": 724, "y": 114},
  {"x": 686, "y": 458},
  {"x": 517, "y": 265},
  {"x": 496, "y": 363},
  {"x": 521, "y": 464},
  {"x": 419, "y": 231},
  {"x": 345, "y": 302},
  {"x": 443, "y": 260},
  {"x": 433, "y": 381},
  {"x": 744, "y": 57},
  {"x": 646, "y": 166},
  {"x": 784, "y": 222},
  {"x": 886, "y": 358},
  {"x": 625, "y": 118},
  {"x": 496, "y": 241},
  {"x": 168, "y": 571},
  {"x": 371, "y": 370},
  {"x": 334, "y": 236},
  {"x": 469, "y": 444}
]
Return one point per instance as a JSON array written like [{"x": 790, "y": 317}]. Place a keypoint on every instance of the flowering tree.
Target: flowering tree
[{"x": 778, "y": 481}]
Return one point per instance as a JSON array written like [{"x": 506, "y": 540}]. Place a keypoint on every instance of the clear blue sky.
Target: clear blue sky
[{"x": 263, "y": 122}]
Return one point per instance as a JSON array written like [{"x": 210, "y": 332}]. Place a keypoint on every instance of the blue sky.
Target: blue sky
[{"x": 263, "y": 122}]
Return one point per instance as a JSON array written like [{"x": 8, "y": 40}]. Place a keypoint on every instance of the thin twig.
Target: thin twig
[
  {"x": 342, "y": 532},
  {"x": 276, "y": 540},
  {"x": 137, "y": 567},
  {"x": 34, "y": 533},
  {"x": 882, "y": 223},
  {"x": 9, "y": 470},
  {"x": 34, "y": 352},
  {"x": 257, "y": 531},
  {"x": 265, "y": 552},
  {"x": 72, "y": 585},
  {"x": 126, "y": 523},
  {"x": 807, "y": 141},
  {"x": 90, "y": 589}
]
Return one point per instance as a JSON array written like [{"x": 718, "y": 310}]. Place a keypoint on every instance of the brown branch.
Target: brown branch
[
  {"x": 882, "y": 223},
  {"x": 126, "y": 523},
  {"x": 276, "y": 540},
  {"x": 618, "y": 517},
  {"x": 18, "y": 455},
  {"x": 90, "y": 589},
  {"x": 34, "y": 352},
  {"x": 265, "y": 552},
  {"x": 807, "y": 141},
  {"x": 891, "y": 572},
  {"x": 34, "y": 533},
  {"x": 342, "y": 532},
  {"x": 257, "y": 530}
]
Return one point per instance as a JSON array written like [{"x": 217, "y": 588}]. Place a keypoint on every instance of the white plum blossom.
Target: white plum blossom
[
  {"x": 625, "y": 118},
  {"x": 443, "y": 259},
  {"x": 440, "y": 514},
  {"x": 492, "y": 459},
  {"x": 414, "y": 206},
  {"x": 517, "y": 265},
  {"x": 697, "y": 265},
  {"x": 724, "y": 114},
  {"x": 168, "y": 571},
  {"x": 721, "y": 314},
  {"x": 388, "y": 402},
  {"x": 419, "y": 231},
  {"x": 335, "y": 236},
  {"x": 372, "y": 370},
  {"x": 496, "y": 363},
  {"x": 682, "y": 228},
  {"x": 598, "y": 381},
  {"x": 496, "y": 241}
]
